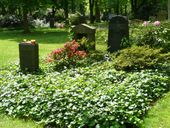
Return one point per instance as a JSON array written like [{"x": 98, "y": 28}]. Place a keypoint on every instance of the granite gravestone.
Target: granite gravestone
[
  {"x": 84, "y": 30},
  {"x": 29, "y": 58},
  {"x": 118, "y": 30}
]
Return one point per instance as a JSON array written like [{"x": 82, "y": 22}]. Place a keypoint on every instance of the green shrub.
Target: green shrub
[
  {"x": 139, "y": 58},
  {"x": 94, "y": 96},
  {"x": 59, "y": 15},
  {"x": 155, "y": 37},
  {"x": 76, "y": 19},
  {"x": 86, "y": 45},
  {"x": 68, "y": 56},
  {"x": 10, "y": 21}
]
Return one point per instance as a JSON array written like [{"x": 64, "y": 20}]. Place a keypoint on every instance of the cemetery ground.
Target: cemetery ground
[
  {"x": 83, "y": 96},
  {"x": 48, "y": 40},
  {"x": 9, "y": 122}
]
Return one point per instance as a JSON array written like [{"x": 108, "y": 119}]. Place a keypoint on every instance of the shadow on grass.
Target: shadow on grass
[{"x": 42, "y": 36}]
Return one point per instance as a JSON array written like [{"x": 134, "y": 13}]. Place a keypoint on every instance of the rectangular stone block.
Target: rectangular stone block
[
  {"x": 29, "y": 56},
  {"x": 118, "y": 29}
]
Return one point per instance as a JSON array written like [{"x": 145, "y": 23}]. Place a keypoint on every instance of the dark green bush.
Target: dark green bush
[
  {"x": 155, "y": 37},
  {"x": 59, "y": 15},
  {"x": 10, "y": 21},
  {"x": 139, "y": 58},
  {"x": 76, "y": 19}
]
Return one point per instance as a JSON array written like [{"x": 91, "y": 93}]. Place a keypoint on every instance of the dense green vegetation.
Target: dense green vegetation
[
  {"x": 90, "y": 92},
  {"x": 19, "y": 14},
  {"x": 90, "y": 96},
  {"x": 76, "y": 87}
]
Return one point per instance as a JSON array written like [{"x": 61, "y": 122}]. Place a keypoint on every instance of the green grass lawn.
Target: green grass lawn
[
  {"x": 159, "y": 115},
  {"x": 8, "y": 122},
  {"x": 48, "y": 39}
]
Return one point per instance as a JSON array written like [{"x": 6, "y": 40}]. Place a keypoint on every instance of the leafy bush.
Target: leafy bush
[
  {"x": 139, "y": 58},
  {"x": 77, "y": 18},
  {"x": 67, "y": 56},
  {"x": 86, "y": 45},
  {"x": 59, "y": 15},
  {"x": 155, "y": 36},
  {"x": 10, "y": 21},
  {"x": 38, "y": 23},
  {"x": 94, "y": 96}
]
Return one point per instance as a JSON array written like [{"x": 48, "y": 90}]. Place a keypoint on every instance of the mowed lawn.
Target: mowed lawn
[
  {"x": 159, "y": 115},
  {"x": 48, "y": 40},
  {"x": 9, "y": 122}
]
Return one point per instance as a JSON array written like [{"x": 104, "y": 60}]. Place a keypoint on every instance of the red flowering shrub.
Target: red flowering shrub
[{"x": 68, "y": 55}]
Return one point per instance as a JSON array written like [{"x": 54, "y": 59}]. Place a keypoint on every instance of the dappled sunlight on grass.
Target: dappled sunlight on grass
[{"x": 48, "y": 40}]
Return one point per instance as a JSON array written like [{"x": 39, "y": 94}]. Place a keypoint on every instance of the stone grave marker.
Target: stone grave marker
[
  {"x": 84, "y": 30},
  {"x": 118, "y": 29},
  {"x": 29, "y": 57}
]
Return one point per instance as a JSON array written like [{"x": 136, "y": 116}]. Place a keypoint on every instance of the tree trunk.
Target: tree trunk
[
  {"x": 117, "y": 7},
  {"x": 97, "y": 11},
  {"x": 52, "y": 18},
  {"x": 82, "y": 9},
  {"x": 134, "y": 8},
  {"x": 73, "y": 6},
  {"x": 125, "y": 9},
  {"x": 169, "y": 10},
  {"x": 25, "y": 20},
  {"x": 3, "y": 10},
  {"x": 91, "y": 3},
  {"x": 66, "y": 10}
]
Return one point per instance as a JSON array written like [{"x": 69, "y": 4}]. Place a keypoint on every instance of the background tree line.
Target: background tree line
[{"x": 94, "y": 10}]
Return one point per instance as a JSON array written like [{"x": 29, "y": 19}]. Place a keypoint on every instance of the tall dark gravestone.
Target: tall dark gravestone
[
  {"x": 29, "y": 58},
  {"x": 118, "y": 29}
]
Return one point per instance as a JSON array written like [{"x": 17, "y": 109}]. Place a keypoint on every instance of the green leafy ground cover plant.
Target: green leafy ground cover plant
[{"x": 92, "y": 96}]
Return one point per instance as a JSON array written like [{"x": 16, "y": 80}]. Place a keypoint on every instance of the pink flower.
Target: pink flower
[
  {"x": 157, "y": 23},
  {"x": 71, "y": 46},
  {"x": 49, "y": 58},
  {"x": 145, "y": 23},
  {"x": 58, "y": 51},
  {"x": 81, "y": 54}
]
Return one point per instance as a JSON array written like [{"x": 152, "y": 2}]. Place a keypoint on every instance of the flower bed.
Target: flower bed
[{"x": 89, "y": 96}]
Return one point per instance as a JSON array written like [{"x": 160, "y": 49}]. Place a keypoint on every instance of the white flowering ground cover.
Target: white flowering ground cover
[{"x": 91, "y": 96}]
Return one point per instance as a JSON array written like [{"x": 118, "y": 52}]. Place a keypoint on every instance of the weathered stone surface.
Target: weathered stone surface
[
  {"x": 118, "y": 29},
  {"x": 84, "y": 30},
  {"x": 29, "y": 57}
]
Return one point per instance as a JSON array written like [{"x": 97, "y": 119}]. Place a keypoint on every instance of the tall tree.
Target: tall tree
[
  {"x": 91, "y": 5},
  {"x": 25, "y": 6},
  {"x": 168, "y": 9},
  {"x": 97, "y": 10},
  {"x": 65, "y": 7}
]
